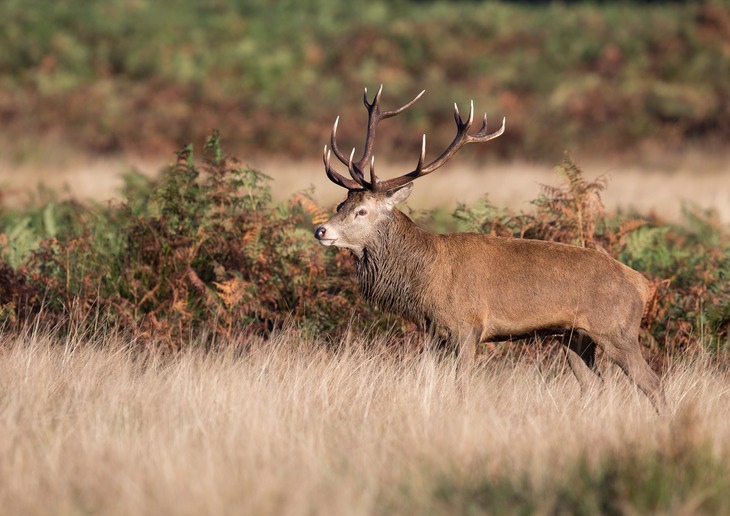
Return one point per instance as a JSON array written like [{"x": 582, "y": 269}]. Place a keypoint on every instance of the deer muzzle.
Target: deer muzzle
[{"x": 320, "y": 233}]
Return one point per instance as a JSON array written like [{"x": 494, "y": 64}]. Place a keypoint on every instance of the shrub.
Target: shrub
[{"x": 205, "y": 249}]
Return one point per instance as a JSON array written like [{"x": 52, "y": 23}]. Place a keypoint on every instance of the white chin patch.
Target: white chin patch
[{"x": 327, "y": 241}]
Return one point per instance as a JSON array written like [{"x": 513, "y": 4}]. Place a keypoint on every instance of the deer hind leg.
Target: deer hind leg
[
  {"x": 580, "y": 350},
  {"x": 625, "y": 352}
]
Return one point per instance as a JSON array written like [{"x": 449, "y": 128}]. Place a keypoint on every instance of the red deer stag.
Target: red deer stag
[{"x": 467, "y": 288}]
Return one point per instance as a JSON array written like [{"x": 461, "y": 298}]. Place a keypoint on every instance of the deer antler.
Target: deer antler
[
  {"x": 356, "y": 169},
  {"x": 462, "y": 138}
]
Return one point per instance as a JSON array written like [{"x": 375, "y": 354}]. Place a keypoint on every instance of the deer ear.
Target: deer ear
[{"x": 398, "y": 195}]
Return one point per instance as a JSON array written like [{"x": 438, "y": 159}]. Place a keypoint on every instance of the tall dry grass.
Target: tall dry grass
[{"x": 293, "y": 426}]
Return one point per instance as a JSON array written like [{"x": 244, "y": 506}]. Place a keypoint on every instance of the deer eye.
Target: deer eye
[{"x": 361, "y": 212}]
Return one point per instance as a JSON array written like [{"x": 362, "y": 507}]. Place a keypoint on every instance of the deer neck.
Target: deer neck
[{"x": 392, "y": 270}]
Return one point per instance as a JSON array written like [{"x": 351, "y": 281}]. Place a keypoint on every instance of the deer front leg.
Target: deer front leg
[{"x": 466, "y": 358}]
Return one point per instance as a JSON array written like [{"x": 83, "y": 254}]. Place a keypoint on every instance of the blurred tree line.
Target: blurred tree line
[{"x": 145, "y": 77}]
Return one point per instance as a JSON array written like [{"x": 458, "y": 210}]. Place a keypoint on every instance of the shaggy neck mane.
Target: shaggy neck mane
[{"x": 391, "y": 269}]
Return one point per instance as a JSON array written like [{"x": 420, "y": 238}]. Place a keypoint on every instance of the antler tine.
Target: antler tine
[
  {"x": 373, "y": 177},
  {"x": 334, "y": 176},
  {"x": 355, "y": 173},
  {"x": 485, "y": 137},
  {"x": 394, "y": 112},
  {"x": 469, "y": 120},
  {"x": 422, "y": 157},
  {"x": 471, "y": 114},
  {"x": 333, "y": 143},
  {"x": 376, "y": 100}
]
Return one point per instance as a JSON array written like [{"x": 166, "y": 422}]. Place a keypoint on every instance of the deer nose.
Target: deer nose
[{"x": 319, "y": 232}]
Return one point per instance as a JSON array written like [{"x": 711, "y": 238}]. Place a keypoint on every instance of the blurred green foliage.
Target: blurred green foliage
[{"x": 137, "y": 75}]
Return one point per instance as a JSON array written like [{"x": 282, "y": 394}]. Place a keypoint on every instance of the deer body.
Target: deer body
[
  {"x": 467, "y": 288},
  {"x": 494, "y": 287}
]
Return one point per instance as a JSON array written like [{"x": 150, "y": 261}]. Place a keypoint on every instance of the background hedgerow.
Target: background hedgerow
[
  {"x": 205, "y": 250},
  {"x": 605, "y": 77}
]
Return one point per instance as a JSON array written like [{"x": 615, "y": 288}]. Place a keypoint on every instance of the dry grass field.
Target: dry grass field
[{"x": 295, "y": 426}]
